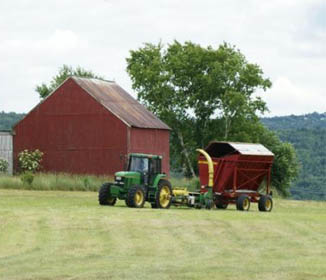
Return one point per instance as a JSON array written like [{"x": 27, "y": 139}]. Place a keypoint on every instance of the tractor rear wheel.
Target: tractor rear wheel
[
  {"x": 243, "y": 203},
  {"x": 135, "y": 197},
  {"x": 104, "y": 196},
  {"x": 163, "y": 196},
  {"x": 265, "y": 203}
]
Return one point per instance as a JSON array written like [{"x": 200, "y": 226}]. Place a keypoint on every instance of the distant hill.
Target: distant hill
[
  {"x": 7, "y": 120},
  {"x": 308, "y": 121},
  {"x": 307, "y": 133}
]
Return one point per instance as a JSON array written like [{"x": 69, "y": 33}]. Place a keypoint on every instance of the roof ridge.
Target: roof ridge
[
  {"x": 88, "y": 78},
  {"x": 121, "y": 104}
]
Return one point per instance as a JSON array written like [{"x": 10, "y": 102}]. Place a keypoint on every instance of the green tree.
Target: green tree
[
  {"x": 202, "y": 94},
  {"x": 185, "y": 84},
  {"x": 64, "y": 72}
]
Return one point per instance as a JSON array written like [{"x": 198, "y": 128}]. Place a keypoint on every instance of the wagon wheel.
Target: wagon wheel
[
  {"x": 265, "y": 203},
  {"x": 209, "y": 204},
  {"x": 104, "y": 196},
  {"x": 221, "y": 204},
  {"x": 243, "y": 203}
]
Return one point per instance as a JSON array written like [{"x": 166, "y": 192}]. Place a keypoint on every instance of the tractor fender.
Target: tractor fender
[{"x": 157, "y": 179}]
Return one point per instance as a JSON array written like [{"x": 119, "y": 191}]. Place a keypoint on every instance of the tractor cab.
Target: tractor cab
[
  {"x": 148, "y": 166},
  {"x": 142, "y": 181}
]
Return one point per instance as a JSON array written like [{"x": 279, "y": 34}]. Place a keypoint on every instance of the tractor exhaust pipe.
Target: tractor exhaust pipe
[{"x": 210, "y": 166}]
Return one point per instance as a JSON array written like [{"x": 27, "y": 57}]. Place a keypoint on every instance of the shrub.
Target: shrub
[
  {"x": 30, "y": 160},
  {"x": 86, "y": 182},
  {"x": 27, "y": 178},
  {"x": 3, "y": 165}
]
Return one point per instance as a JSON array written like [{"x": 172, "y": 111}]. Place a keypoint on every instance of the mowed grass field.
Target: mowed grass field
[{"x": 67, "y": 235}]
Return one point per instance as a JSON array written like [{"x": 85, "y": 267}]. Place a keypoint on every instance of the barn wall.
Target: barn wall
[
  {"x": 6, "y": 149},
  {"x": 151, "y": 141},
  {"x": 75, "y": 132}
]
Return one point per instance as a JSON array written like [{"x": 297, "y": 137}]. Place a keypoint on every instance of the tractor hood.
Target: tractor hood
[{"x": 127, "y": 174}]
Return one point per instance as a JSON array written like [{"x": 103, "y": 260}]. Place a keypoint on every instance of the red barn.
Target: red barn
[{"x": 87, "y": 126}]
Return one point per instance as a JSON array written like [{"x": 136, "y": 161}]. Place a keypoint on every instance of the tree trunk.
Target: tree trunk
[
  {"x": 186, "y": 154},
  {"x": 226, "y": 132}
]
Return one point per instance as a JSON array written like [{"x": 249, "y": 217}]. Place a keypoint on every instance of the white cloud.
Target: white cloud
[
  {"x": 61, "y": 41},
  {"x": 286, "y": 98}
]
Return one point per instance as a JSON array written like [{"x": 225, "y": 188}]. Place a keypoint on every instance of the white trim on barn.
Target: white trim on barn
[{"x": 6, "y": 149}]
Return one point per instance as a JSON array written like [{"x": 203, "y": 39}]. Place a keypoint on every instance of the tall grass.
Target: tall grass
[
  {"x": 191, "y": 184},
  {"x": 72, "y": 182},
  {"x": 55, "y": 181}
]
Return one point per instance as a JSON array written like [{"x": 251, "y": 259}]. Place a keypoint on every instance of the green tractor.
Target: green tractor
[{"x": 143, "y": 181}]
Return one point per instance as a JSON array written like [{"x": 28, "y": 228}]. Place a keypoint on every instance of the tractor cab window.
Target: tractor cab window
[
  {"x": 155, "y": 166},
  {"x": 138, "y": 164}
]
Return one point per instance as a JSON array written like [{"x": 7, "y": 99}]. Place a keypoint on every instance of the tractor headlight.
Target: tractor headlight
[{"x": 118, "y": 180}]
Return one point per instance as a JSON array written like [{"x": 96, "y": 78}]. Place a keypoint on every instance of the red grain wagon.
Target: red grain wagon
[{"x": 239, "y": 171}]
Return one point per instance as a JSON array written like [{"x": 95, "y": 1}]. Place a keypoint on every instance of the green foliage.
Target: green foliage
[
  {"x": 51, "y": 182},
  {"x": 3, "y": 165},
  {"x": 308, "y": 121},
  {"x": 64, "y": 72},
  {"x": 30, "y": 160},
  {"x": 27, "y": 178},
  {"x": 193, "y": 88},
  {"x": 7, "y": 120},
  {"x": 307, "y": 133},
  {"x": 86, "y": 182}
]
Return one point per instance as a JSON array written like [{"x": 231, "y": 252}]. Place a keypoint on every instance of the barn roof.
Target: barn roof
[{"x": 120, "y": 103}]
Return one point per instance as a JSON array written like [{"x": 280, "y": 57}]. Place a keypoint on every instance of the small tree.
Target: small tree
[
  {"x": 3, "y": 165},
  {"x": 30, "y": 161},
  {"x": 64, "y": 72}
]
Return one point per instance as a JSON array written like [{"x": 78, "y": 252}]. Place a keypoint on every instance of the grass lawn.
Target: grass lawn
[{"x": 67, "y": 235}]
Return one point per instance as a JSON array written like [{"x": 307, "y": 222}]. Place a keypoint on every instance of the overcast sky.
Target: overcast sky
[{"x": 287, "y": 38}]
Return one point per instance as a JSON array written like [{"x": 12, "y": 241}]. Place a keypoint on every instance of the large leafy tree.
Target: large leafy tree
[
  {"x": 186, "y": 83},
  {"x": 64, "y": 72},
  {"x": 203, "y": 94}
]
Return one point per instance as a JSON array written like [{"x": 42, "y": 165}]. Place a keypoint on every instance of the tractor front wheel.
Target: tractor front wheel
[
  {"x": 265, "y": 203},
  {"x": 243, "y": 203},
  {"x": 104, "y": 196},
  {"x": 163, "y": 197},
  {"x": 135, "y": 197}
]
